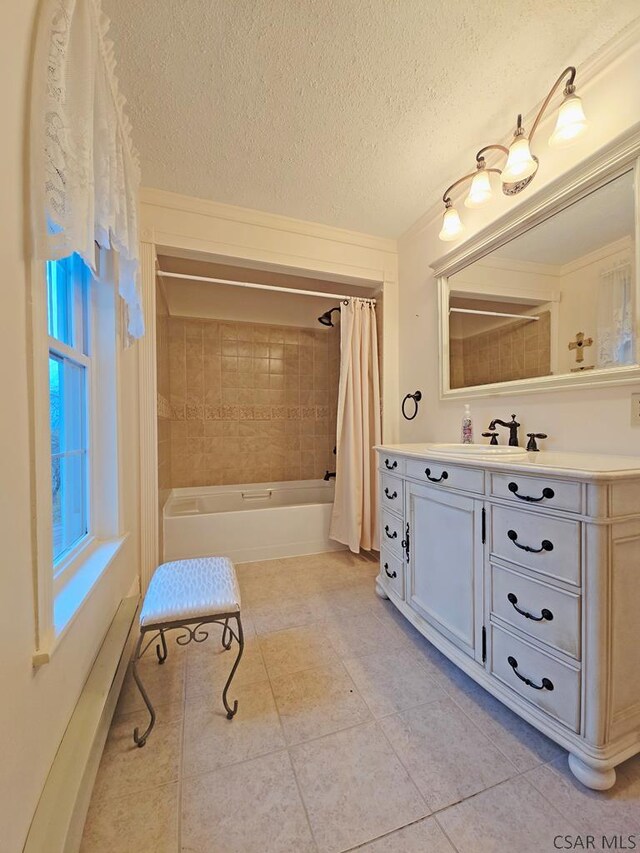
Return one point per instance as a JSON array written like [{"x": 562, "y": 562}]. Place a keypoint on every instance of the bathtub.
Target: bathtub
[{"x": 250, "y": 521}]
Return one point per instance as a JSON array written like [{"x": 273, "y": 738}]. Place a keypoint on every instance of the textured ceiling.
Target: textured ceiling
[{"x": 354, "y": 113}]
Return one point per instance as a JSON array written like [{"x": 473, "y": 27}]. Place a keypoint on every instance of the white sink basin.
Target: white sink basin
[{"x": 479, "y": 449}]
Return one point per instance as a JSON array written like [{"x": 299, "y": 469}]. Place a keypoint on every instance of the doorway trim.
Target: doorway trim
[{"x": 174, "y": 224}]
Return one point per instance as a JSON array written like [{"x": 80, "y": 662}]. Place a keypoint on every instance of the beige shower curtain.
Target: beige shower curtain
[{"x": 354, "y": 520}]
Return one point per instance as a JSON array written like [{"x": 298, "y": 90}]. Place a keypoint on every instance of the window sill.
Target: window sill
[{"x": 71, "y": 597}]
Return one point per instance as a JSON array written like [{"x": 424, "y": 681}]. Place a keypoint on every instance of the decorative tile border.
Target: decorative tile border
[{"x": 163, "y": 407}]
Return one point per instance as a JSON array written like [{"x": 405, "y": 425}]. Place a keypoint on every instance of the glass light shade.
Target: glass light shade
[
  {"x": 451, "y": 225},
  {"x": 520, "y": 164},
  {"x": 570, "y": 124},
  {"x": 479, "y": 191}
]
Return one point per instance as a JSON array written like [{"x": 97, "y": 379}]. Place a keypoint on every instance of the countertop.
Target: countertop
[{"x": 586, "y": 466}]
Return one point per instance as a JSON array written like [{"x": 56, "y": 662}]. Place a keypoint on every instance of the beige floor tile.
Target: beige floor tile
[
  {"x": 212, "y": 741},
  {"x": 424, "y": 836},
  {"x": 392, "y": 681},
  {"x": 290, "y": 613},
  {"x": 613, "y": 812},
  {"x": 252, "y": 807},
  {"x": 447, "y": 756},
  {"x": 296, "y": 649},
  {"x": 354, "y": 787},
  {"x": 511, "y": 817},
  {"x": 127, "y": 769},
  {"x": 363, "y": 633},
  {"x": 146, "y": 821},
  {"x": 164, "y": 683},
  {"x": 524, "y": 746},
  {"x": 209, "y": 665},
  {"x": 317, "y": 702}
]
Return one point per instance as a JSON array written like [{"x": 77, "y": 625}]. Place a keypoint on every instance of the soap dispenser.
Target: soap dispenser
[{"x": 467, "y": 425}]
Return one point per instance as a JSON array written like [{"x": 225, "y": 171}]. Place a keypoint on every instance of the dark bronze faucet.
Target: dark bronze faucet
[{"x": 513, "y": 429}]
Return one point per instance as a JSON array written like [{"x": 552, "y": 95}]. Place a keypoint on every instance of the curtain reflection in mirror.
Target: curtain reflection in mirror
[{"x": 614, "y": 337}]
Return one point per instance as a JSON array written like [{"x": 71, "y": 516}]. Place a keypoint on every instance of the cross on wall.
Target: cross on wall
[{"x": 579, "y": 344}]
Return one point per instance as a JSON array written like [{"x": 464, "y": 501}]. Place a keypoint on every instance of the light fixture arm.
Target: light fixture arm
[
  {"x": 480, "y": 154},
  {"x": 569, "y": 88},
  {"x": 446, "y": 197}
]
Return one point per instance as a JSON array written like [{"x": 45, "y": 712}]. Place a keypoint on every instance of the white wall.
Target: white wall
[
  {"x": 587, "y": 420},
  {"x": 36, "y": 704}
]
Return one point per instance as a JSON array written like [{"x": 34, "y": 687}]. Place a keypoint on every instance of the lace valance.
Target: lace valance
[{"x": 85, "y": 173}]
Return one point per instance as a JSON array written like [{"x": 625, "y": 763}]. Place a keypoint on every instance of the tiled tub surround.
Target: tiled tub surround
[
  {"x": 351, "y": 730},
  {"x": 251, "y": 403},
  {"x": 519, "y": 350}
]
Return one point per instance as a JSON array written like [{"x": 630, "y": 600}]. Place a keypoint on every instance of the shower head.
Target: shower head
[{"x": 325, "y": 318}]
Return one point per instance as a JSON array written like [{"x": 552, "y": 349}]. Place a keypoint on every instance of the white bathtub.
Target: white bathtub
[{"x": 250, "y": 521}]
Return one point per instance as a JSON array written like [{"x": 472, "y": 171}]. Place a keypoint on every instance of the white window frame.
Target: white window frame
[
  {"x": 79, "y": 353},
  {"x": 62, "y": 589}
]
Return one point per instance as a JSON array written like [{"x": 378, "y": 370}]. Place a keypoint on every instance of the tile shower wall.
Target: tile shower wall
[
  {"x": 251, "y": 403},
  {"x": 163, "y": 408},
  {"x": 518, "y": 351}
]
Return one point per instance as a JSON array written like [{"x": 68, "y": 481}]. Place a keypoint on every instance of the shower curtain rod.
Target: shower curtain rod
[
  {"x": 264, "y": 286},
  {"x": 492, "y": 313}
]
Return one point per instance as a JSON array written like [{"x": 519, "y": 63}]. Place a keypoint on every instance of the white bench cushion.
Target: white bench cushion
[{"x": 189, "y": 590}]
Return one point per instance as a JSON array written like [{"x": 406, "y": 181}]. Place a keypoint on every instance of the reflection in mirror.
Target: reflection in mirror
[{"x": 559, "y": 299}]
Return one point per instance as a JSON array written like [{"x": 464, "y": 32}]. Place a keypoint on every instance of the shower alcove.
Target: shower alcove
[
  {"x": 247, "y": 390},
  {"x": 181, "y": 233}
]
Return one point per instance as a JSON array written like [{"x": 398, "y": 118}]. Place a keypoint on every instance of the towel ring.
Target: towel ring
[{"x": 416, "y": 399}]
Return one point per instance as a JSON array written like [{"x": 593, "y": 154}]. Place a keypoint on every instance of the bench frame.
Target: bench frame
[{"x": 194, "y": 632}]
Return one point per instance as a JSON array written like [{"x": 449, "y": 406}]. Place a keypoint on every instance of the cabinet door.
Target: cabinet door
[{"x": 445, "y": 564}]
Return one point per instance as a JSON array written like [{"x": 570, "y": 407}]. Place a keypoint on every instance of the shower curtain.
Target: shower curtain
[
  {"x": 615, "y": 335},
  {"x": 354, "y": 519}
]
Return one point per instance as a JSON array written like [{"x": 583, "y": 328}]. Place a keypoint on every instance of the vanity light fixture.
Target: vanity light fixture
[
  {"x": 521, "y": 165},
  {"x": 451, "y": 224}
]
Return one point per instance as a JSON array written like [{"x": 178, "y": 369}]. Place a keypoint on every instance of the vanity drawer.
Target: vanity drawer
[
  {"x": 537, "y": 491},
  {"x": 391, "y": 534},
  {"x": 553, "y": 686},
  {"x": 540, "y": 542},
  {"x": 393, "y": 464},
  {"x": 391, "y": 572},
  {"x": 391, "y": 493},
  {"x": 545, "y": 612},
  {"x": 445, "y": 475}
]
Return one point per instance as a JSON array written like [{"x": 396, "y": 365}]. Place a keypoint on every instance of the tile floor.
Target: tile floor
[{"x": 352, "y": 732}]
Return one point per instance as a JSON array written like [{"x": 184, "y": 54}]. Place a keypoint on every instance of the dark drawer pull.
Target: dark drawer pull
[
  {"x": 547, "y": 493},
  {"x": 443, "y": 476},
  {"x": 389, "y": 574},
  {"x": 547, "y": 684},
  {"x": 544, "y": 613},
  {"x": 393, "y": 535},
  {"x": 392, "y": 466},
  {"x": 391, "y": 497},
  {"x": 545, "y": 545}
]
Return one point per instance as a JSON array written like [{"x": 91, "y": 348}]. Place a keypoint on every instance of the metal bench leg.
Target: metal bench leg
[
  {"x": 227, "y": 634},
  {"x": 140, "y": 740},
  {"x": 240, "y": 637},
  {"x": 162, "y": 653}
]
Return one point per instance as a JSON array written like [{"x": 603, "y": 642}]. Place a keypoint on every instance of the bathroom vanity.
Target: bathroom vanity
[{"x": 524, "y": 570}]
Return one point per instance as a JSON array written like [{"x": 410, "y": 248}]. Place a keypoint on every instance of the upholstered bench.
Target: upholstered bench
[{"x": 187, "y": 594}]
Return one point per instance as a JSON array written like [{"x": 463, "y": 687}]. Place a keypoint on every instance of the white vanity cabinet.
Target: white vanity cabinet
[
  {"x": 444, "y": 573},
  {"x": 526, "y": 573}
]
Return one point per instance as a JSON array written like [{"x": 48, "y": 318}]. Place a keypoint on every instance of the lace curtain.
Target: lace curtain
[
  {"x": 84, "y": 170},
  {"x": 615, "y": 335}
]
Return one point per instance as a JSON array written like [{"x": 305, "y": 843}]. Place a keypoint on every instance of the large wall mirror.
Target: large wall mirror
[{"x": 555, "y": 306}]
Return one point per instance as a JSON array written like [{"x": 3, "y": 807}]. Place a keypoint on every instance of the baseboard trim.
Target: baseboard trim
[{"x": 62, "y": 809}]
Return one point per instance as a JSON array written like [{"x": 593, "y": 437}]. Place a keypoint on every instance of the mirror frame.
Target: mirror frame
[{"x": 610, "y": 162}]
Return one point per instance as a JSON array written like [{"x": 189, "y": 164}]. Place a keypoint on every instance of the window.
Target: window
[
  {"x": 77, "y": 407},
  {"x": 69, "y": 393}
]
